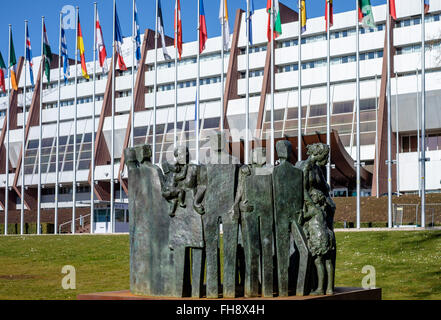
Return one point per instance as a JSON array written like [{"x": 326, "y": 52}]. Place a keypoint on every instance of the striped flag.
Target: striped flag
[
  {"x": 392, "y": 9},
  {"x": 2, "y": 73},
  {"x": 29, "y": 56},
  {"x": 178, "y": 28},
  {"x": 47, "y": 54},
  {"x": 161, "y": 32},
  {"x": 203, "y": 35},
  {"x": 100, "y": 47},
  {"x": 80, "y": 44},
  {"x": 426, "y": 6},
  {"x": 303, "y": 15},
  {"x": 66, "y": 71},
  {"x": 250, "y": 31},
  {"x": 277, "y": 19},
  {"x": 12, "y": 64},
  {"x": 223, "y": 17},
  {"x": 137, "y": 36},
  {"x": 118, "y": 43},
  {"x": 365, "y": 14},
  {"x": 331, "y": 16}
]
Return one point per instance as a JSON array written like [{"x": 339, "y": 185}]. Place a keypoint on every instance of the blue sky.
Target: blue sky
[{"x": 15, "y": 12}]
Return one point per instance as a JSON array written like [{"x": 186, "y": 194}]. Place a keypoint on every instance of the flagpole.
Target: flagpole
[
  {"x": 299, "y": 91},
  {"x": 272, "y": 83},
  {"x": 389, "y": 123},
  {"x": 92, "y": 178},
  {"x": 7, "y": 141},
  {"x": 397, "y": 137},
  {"x": 376, "y": 136},
  {"x": 24, "y": 125},
  {"x": 423, "y": 116},
  {"x": 418, "y": 132},
  {"x": 132, "y": 110},
  {"x": 40, "y": 125},
  {"x": 328, "y": 93},
  {"x": 175, "y": 132},
  {"x": 247, "y": 111},
  {"x": 57, "y": 155},
  {"x": 198, "y": 84},
  {"x": 74, "y": 184},
  {"x": 222, "y": 67},
  {"x": 358, "y": 114},
  {"x": 112, "y": 144},
  {"x": 155, "y": 87}
]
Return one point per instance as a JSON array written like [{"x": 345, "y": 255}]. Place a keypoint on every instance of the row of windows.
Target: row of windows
[
  {"x": 65, "y": 190},
  {"x": 192, "y": 60},
  {"x": 186, "y": 84},
  {"x": 71, "y": 102},
  {"x": 417, "y": 48},
  {"x": 417, "y": 20}
]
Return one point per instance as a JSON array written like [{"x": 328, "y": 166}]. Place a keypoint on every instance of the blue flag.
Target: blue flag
[
  {"x": 137, "y": 37},
  {"x": 250, "y": 31},
  {"x": 29, "y": 55},
  {"x": 66, "y": 71}
]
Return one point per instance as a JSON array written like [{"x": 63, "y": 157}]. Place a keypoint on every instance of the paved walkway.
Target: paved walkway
[{"x": 385, "y": 229}]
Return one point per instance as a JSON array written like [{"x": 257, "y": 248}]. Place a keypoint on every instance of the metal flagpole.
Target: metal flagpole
[
  {"x": 376, "y": 135},
  {"x": 198, "y": 84},
  {"x": 299, "y": 91},
  {"x": 112, "y": 144},
  {"x": 132, "y": 126},
  {"x": 7, "y": 142},
  {"x": 357, "y": 163},
  {"x": 423, "y": 117},
  {"x": 175, "y": 129},
  {"x": 418, "y": 132},
  {"x": 272, "y": 83},
  {"x": 92, "y": 177},
  {"x": 397, "y": 137},
  {"x": 40, "y": 126},
  {"x": 155, "y": 86},
  {"x": 24, "y": 125},
  {"x": 247, "y": 111},
  {"x": 328, "y": 94},
  {"x": 389, "y": 125},
  {"x": 74, "y": 167},
  {"x": 57, "y": 154},
  {"x": 222, "y": 67}
]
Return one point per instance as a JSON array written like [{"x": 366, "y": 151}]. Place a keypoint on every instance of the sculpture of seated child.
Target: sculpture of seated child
[{"x": 171, "y": 190}]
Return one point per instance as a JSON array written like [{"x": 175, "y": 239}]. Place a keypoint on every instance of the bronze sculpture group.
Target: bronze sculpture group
[{"x": 269, "y": 229}]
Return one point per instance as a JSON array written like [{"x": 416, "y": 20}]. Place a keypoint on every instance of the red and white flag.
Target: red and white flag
[
  {"x": 178, "y": 28},
  {"x": 100, "y": 47}
]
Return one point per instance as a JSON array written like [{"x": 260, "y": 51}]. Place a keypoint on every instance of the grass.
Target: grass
[{"x": 408, "y": 264}]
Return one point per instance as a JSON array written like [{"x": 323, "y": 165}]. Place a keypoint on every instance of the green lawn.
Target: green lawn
[{"x": 408, "y": 264}]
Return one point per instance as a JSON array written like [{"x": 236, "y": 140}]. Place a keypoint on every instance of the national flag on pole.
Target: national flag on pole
[
  {"x": 118, "y": 43},
  {"x": 2, "y": 73},
  {"x": 223, "y": 17},
  {"x": 426, "y": 6},
  {"x": 66, "y": 71},
  {"x": 365, "y": 14},
  {"x": 161, "y": 32},
  {"x": 178, "y": 28},
  {"x": 277, "y": 19},
  {"x": 303, "y": 15},
  {"x": 392, "y": 9},
  {"x": 203, "y": 35},
  {"x": 80, "y": 44},
  {"x": 47, "y": 54},
  {"x": 29, "y": 56},
  {"x": 250, "y": 31},
  {"x": 12, "y": 64},
  {"x": 100, "y": 47},
  {"x": 331, "y": 15},
  {"x": 137, "y": 36}
]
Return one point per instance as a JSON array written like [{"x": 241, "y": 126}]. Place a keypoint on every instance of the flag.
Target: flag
[
  {"x": 12, "y": 63},
  {"x": 303, "y": 15},
  {"x": 178, "y": 28},
  {"x": 277, "y": 20},
  {"x": 29, "y": 55},
  {"x": 2, "y": 73},
  {"x": 47, "y": 54},
  {"x": 137, "y": 36},
  {"x": 426, "y": 6},
  {"x": 250, "y": 31},
  {"x": 66, "y": 71},
  {"x": 161, "y": 31},
  {"x": 365, "y": 15},
  {"x": 223, "y": 17},
  {"x": 203, "y": 36},
  {"x": 100, "y": 47},
  {"x": 392, "y": 9},
  {"x": 331, "y": 16},
  {"x": 80, "y": 44},
  {"x": 118, "y": 42}
]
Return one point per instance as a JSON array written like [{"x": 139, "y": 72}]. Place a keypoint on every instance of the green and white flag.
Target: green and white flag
[
  {"x": 277, "y": 19},
  {"x": 47, "y": 54},
  {"x": 365, "y": 14}
]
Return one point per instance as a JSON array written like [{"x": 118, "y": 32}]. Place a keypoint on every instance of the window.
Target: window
[{"x": 343, "y": 107}]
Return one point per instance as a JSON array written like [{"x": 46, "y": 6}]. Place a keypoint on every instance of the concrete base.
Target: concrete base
[{"x": 341, "y": 293}]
